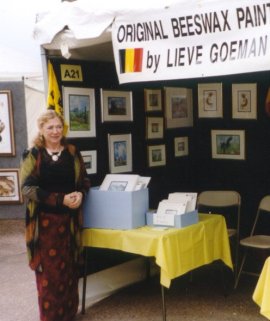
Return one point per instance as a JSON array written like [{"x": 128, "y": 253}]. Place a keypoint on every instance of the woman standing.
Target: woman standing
[{"x": 54, "y": 181}]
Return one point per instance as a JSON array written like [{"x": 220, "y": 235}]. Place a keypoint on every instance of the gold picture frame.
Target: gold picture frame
[
  {"x": 154, "y": 127},
  {"x": 90, "y": 161},
  {"x": 228, "y": 144},
  {"x": 244, "y": 101},
  {"x": 120, "y": 153},
  {"x": 116, "y": 106},
  {"x": 178, "y": 107},
  {"x": 152, "y": 100},
  {"x": 210, "y": 101},
  {"x": 180, "y": 146},
  {"x": 156, "y": 155}
]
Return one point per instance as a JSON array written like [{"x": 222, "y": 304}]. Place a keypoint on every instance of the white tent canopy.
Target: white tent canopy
[{"x": 82, "y": 29}]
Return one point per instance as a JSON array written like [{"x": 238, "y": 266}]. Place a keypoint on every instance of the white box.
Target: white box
[
  {"x": 115, "y": 209},
  {"x": 182, "y": 220}
]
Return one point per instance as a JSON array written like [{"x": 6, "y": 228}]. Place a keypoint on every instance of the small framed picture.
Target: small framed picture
[
  {"x": 120, "y": 153},
  {"x": 180, "y": 146},
  {"x": 178, "y": 107},
  {"x": 154, "y": 127},
  {"x": 152, "y": 100},
  {"x": 244, "y": 101},
  {"x": 228, "y": 144},
  {"x": 7, "y": 144},
  {"x": 210, "y": 100},
  {"x": 116, "y": 105},
  {"x": 156, "y": 155},
  {"x": 90, "y": 161},
  {"x": 80, "y": 111},
  {"x": 10, "y": 192}
]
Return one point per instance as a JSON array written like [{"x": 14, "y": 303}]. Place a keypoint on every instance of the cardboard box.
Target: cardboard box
[
  {"x": 115, "y": 209},
  {"x": 179, "y": 220}
]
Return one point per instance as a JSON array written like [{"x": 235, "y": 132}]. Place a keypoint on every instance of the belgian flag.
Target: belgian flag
[{"x": 131, "y": 60}]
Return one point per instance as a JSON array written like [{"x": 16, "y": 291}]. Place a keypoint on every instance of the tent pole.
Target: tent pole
[{"x": 44, "y": 63}]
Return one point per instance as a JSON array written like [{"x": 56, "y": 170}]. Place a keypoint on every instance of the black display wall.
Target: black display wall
[{"x": 197, "y": 171}]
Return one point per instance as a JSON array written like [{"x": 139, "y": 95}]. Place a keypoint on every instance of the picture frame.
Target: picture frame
[
  {"x": 154, "y": 127},
  {"x": 156, "y": 155},
  {"x": 178, "y": 107},
  {"x": 152, "y": 100},
  {"x": 79, "y": 111},
  {"x": 210, "y": 100},
  {"x": 228, "y": 144},
  {"x": 7, "y": 140},
  {"x": 10, "y": 192},
  {"x": 180, "y": 146},
  {"x": 119, "y": 182},
  {"x": 90, "y": 161},
  {"x": 244, "y": 101},
  {"x": 120, "y": 153},
  {"x": 116, "y": 106}
]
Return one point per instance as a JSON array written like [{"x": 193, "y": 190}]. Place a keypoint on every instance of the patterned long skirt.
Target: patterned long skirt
[{"x": 57, "y": 283}]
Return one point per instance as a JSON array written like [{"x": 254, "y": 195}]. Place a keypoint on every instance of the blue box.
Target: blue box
[
  {"x": 179, "y": 220},
  {"x": 115, "y": 209}
]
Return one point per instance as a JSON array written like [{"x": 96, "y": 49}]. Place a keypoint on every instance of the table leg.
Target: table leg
[
  {"x": 84, "y": 280},
  {"x": 163, "y": 303}
]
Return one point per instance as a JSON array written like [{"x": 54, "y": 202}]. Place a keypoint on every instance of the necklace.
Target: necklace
[{"x": 54, "y": 156}]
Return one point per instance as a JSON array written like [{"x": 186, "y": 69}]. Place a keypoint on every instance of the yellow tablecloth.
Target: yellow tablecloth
[
  {"x": 176, "y": 251},
  {"x": 261, "y": 294}
]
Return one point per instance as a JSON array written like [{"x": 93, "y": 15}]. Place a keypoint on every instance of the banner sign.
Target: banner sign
[{"x": 196, "y": 39}]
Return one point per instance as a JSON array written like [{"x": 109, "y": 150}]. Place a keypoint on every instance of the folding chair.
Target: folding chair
[
  {"x": 259, "y": 239},
  {"x": 228, "y": 204}
]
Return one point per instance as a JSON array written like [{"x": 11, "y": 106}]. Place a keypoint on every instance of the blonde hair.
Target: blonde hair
[{"x": 41, "y": 121}]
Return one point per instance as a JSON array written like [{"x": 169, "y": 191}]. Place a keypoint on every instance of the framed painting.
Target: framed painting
[
  {"x": 244, "y": 101},
  {"x": 116, "y": 105},
  {"x": 154, "y": 127},
  {"x": 156, "y": 155},
  {"x": 152, "y": 100},
  {"x": 90, "y": 161},
  {"x": 228, "y": 144},
  {"x": 178, "y": 107},
  {"x": 7, "y": 142},
  {"x": 180, "y": 146},
  {"x": 120, "y": 153},
  {"x": 210, "y": 100},
  {"x": 10, "y": 192},
  {"x": 80, "y": 111}
]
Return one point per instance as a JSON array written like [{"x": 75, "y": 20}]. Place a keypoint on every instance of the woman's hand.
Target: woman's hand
[{"x": 73, "y": 200}]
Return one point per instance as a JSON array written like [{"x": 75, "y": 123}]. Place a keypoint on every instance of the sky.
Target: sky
[{"x": 19, "y": 52}]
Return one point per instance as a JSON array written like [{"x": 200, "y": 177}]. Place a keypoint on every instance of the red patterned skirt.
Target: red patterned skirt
[{"x": 57, "y": 284}]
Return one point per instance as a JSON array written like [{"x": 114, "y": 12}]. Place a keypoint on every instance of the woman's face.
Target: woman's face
[{"x": 52, "y": 131}]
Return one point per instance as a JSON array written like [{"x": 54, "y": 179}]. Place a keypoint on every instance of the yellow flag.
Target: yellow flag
[
  {"x": 54, "y": 100},
  {"x": 54, "y": 95}
]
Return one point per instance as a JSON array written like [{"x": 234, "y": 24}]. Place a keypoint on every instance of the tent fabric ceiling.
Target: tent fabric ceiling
[{"x": 83, "y": 28}]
